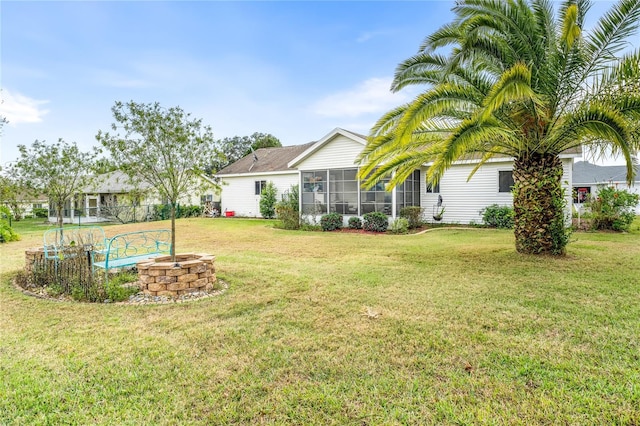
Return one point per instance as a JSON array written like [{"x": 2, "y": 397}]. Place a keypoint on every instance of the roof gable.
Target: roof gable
[{"x": 325, "y": 140}]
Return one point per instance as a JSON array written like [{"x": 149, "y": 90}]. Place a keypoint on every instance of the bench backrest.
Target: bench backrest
[
  {"x": 59, "y": 240},
  {"x": 139, "y": 243}
]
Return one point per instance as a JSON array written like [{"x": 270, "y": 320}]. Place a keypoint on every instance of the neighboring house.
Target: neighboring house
[
  {"x": 326, "y": 172},
  {"x": 27, "y": 204},
  {"x": 588, "y": 178},
  {"x": 111, "y": 196}
]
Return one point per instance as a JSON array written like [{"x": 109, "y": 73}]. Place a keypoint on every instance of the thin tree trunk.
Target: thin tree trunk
[
  {"x": 173, "y": 232},
  {"x": 59, "y": 208},
  {"x": 538, "y": 202}
]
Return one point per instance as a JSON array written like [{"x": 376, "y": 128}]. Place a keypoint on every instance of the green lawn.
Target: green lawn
[{"x": 469, "y": 332}]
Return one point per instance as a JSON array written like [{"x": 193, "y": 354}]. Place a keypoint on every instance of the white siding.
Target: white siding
[
  {"x": 238, "y": 193},
  {"x": 340, "y": 152},
  {"x": 464, "y": 200}
]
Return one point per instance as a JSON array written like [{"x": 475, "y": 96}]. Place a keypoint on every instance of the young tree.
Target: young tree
[
  {"x": 12, "y": 195},
  {"x": 268, "y": 201},
  {"x": 59, "y": 171},
  {"x": 164, "y": 148},
  {"x": 516, "y": 79}
]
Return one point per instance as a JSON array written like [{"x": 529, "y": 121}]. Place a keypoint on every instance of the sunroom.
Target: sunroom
[{"x": 339, "y": 191}]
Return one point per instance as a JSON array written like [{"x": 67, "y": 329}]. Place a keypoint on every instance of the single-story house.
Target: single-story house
[
  {"x": 326, "y": 172},
  {"x": 588, "y": 178},
  {"x": 111, "y": 196},
  {"x": 27, "y": 204}
]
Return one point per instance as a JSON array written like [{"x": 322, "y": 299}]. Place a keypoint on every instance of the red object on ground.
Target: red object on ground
[{"x": 229, "y": 213}]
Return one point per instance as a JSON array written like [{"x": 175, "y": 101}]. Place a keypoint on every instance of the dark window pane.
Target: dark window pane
[
  {"x": 433, "y": 189},
  {"x": 505, "y": 181}
]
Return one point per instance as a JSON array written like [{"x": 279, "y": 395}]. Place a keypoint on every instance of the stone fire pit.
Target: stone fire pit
[{"x": 161, "y": 276}]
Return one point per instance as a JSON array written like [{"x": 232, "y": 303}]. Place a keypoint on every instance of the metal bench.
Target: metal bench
[
  {"x": 130, "y": 248},
  {"x": 61, "y": 243}
]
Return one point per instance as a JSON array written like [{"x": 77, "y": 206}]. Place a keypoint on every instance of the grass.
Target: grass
[{"x": 468, "y": 332}]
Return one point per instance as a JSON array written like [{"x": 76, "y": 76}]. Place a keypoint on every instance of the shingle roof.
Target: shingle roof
[
  {"x": 269, "y": 160},
  {"x": 587, "y": 173},
  {"x": 115, "y": 182}
]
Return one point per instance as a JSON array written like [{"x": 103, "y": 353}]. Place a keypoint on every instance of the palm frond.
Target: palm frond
[
  {"x": 446, "y": 35},
  {"x": 469, "y": 137},
  {"x": 423, "y": 68},
  {"x": 611, "y": 33},
  {"x": 598, "y": 127},
  {"x": 435, "y": 103},
  {"x": 514, "y": 85},
  {"x": 388, "y": 121},
  {"x": 570, "y": 29}
]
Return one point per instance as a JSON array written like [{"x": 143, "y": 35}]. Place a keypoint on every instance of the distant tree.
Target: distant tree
[
  {"x": 59, "y": 171},
  {"x": 164, "y": 148},
  {"x": 239, "y": 146},
  {"x": 104, "y": 165},
  {"x": 268, "y": 201},
  {"x": 11, "y": 194}
]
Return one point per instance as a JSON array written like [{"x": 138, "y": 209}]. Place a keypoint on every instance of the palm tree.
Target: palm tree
[{"x": 518, "y": 79}]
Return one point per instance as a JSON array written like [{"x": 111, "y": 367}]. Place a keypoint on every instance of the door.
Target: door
[{"x": 92, "y": 204}]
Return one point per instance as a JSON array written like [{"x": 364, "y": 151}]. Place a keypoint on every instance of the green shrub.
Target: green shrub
[
  {"x": 497, "y": 216},
  {"x": 163, "y": 211},
  {"x": 305, "y": 226},
  {"x": 375, "y": 222},
  {"x": 413, "y": 214},
  {"x": 288, "y": 209},
  {"x": 115, "y": 288},
  {"x": 331, "y": 221},
  {"x": 189, "y": 211},
  {"x": 40, "y": 212},
  {"x": 5, "y": 212},
  {"x": 268, "y": 201},
  {"x": 399, "y": 226},
  {"x": 7, "y": 233},
  {"x": 613, "y": 209},
  {"x": 355, "y": 222}
]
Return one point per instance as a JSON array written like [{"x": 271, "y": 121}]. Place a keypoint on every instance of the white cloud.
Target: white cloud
[
  {"x": 368, "y": 35},
  {"x": 369, "y": 97},
  {"x": 119, "y": 80},
  {"x": 18, "y": 108}
]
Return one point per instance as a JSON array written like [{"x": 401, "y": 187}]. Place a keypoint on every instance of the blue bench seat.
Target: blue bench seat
[{"x": 129, "y": 248}]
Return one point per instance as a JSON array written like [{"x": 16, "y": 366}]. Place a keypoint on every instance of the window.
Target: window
[
  {"x": 376, "y": 199},
  {"x": 581, "y": 194},
  {"x": 433, "y": 189},
  {"x": 37, "y": 206},
  {"x": 505, "y": 181},
  {"x": 260, "y": 185},
  {"x": 408, "y": 193},
  {"x": 314, "y": 192},
  {"x": 343, "y": 191}
]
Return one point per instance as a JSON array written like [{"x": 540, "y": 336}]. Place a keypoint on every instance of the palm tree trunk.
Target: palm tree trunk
[{"x": 538, "y": 202}]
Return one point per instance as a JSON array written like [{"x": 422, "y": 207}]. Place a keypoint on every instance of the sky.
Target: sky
[{"x": 294, "y": 69}]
